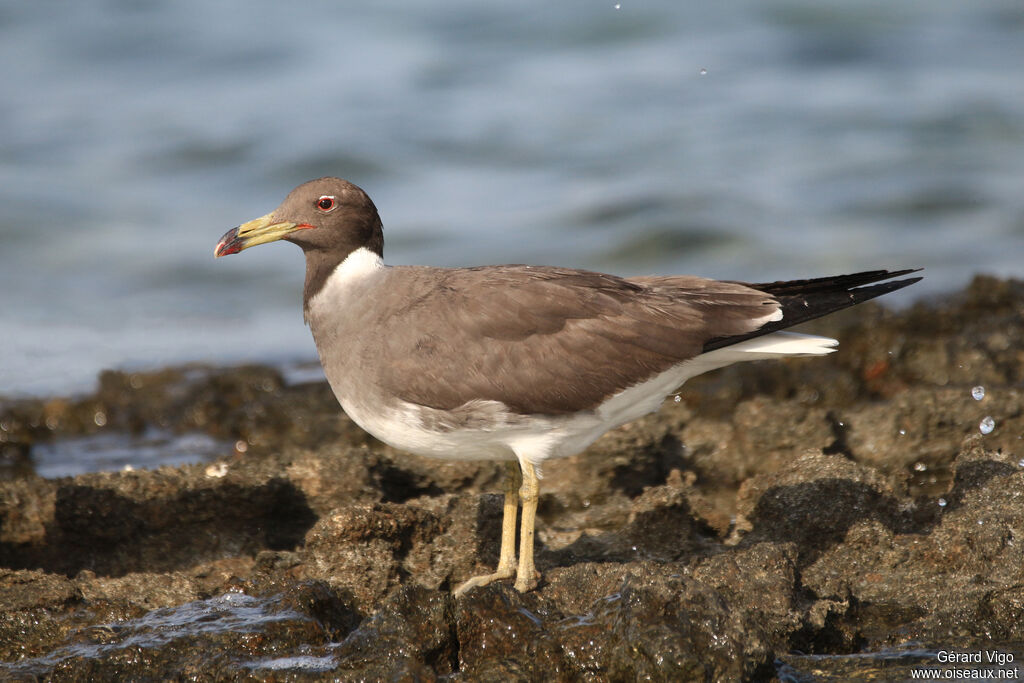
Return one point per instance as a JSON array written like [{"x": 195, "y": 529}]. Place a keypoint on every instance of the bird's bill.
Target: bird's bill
[{"x": 258, "y": 231}]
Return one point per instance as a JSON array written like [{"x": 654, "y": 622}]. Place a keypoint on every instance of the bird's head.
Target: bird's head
[{"x": 323, "y": 215}]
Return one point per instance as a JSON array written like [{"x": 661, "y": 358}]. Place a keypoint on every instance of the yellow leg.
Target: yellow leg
[
  {"x": 507, "y": 561},
  {"x": 526, "y": 575}
]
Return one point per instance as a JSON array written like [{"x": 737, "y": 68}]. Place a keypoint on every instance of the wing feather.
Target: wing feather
[{"x": 552, "y": 340}]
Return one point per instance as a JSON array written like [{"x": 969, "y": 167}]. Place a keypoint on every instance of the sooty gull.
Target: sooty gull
[{"x": 519, "y": 363}]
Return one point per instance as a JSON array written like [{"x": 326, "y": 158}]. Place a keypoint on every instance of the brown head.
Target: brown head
[{"x": 328, "y": 217}]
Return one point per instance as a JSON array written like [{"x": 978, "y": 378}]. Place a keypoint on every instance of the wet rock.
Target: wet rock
[
  {"x": 659, "y": 625},
  {"x": 502, "y": 636},
  {"x": 162, "y": 520},
  {"x": 787, "y": 506},
  {"x": 411, "y": 636},
  {"x": 214, "y": 639},
  {"x": 662, "y": 523},
  {"x": 926, "y": 425},
  {"x": 27, "y": 601},
  {"x": 761, "y": 436},
  {"x": 369, "y": 549},
  {"x": 943, "y": 583}
]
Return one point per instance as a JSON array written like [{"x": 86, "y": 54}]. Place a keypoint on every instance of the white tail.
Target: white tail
[
  {"x": 774, "y": 345},
  {"x": 785, "y": 344}
]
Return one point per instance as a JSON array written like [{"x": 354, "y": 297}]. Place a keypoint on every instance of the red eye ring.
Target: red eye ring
[{"x": 325, "y": 203}]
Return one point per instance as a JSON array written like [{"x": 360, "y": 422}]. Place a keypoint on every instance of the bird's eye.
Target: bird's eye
[{"x": 325, "y": 203}]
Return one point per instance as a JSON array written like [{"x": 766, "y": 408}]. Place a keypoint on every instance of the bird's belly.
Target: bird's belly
[
  {"x": 478, "y": 430},
  {"x": 402, "y": 426}
]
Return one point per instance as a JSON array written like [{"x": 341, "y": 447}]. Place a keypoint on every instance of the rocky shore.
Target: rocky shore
[{"x": 773, "y": 520}]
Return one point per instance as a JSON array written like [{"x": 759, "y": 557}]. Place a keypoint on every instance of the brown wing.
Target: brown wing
[{"x": 552, "y": 341}]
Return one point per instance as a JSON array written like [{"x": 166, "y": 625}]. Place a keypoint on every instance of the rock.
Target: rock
[{"x": 814, "y": 501}]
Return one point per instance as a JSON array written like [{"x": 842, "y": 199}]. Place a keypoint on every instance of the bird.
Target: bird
[{"x": 519, "y": 363}]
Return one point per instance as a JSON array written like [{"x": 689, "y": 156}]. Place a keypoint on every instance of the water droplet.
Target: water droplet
[
  {"x": 978, "y": 392},
  {"x": 217, "y": 470},
  {"x": 842, "y": 424},
  {"x": 703, "y": 72},
  {"x": 128, "y": 468},
  {"x": 678, "y": 398},
  {"x": 920, "y": 467},
  {"x": 1020, "y": 463},
  {"x": 100, "y": 418},
  {"x": 903, "y": 432},
  {"x": 987, "y": 425},
  {"x": 617, "y": 5},
  {"x": 942, "y": 502},
  {"x": 981, "y": 522}
]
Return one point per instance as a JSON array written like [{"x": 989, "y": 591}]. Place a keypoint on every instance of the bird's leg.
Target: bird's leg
[
  {"x": 526, "y": 575},
  {"x": 507, "y": 561}
]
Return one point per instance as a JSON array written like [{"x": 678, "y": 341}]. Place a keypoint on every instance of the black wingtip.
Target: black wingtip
[
  {"x": 804, "y": 300},
  {"x": 865, "y": 293},
  {"x": 833, "y": 282}
]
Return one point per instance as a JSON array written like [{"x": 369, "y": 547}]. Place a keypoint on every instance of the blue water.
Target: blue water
[
  {"x": 748, "y": 140},
  {"x": 113, "y": 451}
]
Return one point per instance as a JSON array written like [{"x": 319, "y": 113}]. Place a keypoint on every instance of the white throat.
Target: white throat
[
  {"x": 357, "y": 270},
  {"x": 356, "y": 266}
]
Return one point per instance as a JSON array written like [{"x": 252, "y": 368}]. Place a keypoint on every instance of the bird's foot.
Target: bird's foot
[
  {"x": 527, "y": 581},
  {"x": 484, "y": 579}
]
